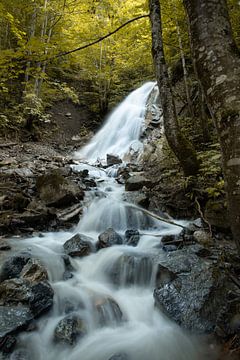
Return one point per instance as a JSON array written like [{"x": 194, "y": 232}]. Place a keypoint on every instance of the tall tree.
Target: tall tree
[
  {"x": 217, "y": 62},
  {"x": 177, "y": 142}
]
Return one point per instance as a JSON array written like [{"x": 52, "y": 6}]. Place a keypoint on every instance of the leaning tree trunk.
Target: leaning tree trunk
[
  {"x": 217, "y": 62},
  {"x": 177, "y": 142}
]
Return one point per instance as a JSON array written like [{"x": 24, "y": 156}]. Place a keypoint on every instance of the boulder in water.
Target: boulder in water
[
  {"x": 70, "y": 329},
  {"x": 12, "y": 319},
  {"x": 79, "y": 245},
  {"x": 196, "y": 300},
  {"x": 132, "y": 237},
  {"x": 109, "y": 238},
  {"x": 34, "y": 271},
  {"x": 113, "y": 159},
  {"x": 38, "y": 297},
  {"x": 137, "y": 182},
  {"x": 13, "y": 266}
]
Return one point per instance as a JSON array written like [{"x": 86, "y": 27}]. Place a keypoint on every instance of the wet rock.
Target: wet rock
[
  {"x": 79, "y": 245},
  {"x": 70, "y": 329},
  {"x": 131, "y": 269},
  {"x": 67, "y": 263},
  {"x": 109, "y": 238},
  {"x": 12, "y": 319},
  {"x": 195, "y": 300},
  {"x": 137, "y": 182},
  {"x": 38, "y": 297},
  {"x": 34, "y": 271},
  {"x": 13, "y": 266},
  {"x": 132, "y": 237},
  {"x": 119, "y": 356},
  {"x": 113, "y": 159},
  {"x": 55, "y": 190},
  {"x": 41, "y": 299},
  {"x": 143, "y": 200},
  {"x": 108, "y": 311}
]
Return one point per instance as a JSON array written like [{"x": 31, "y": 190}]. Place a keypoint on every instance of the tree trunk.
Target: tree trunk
[
  {"x": 177, "y": 142},
  {"x": 218, "y": 67}
]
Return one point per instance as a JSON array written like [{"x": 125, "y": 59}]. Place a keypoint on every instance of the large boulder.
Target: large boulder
[
  {"x": 13, "y": 266},
  {"x": 137, "y": 182},
  {"x": 38, "y": 297},
  {"x": 34, "y": 271},
  {"x": 70, "y": 329},
  {"x": 79, "y": 245},
  {"x": 12, "y": 319},
  {"x": 195, "y": 300},
  {"x": 57, "y": 191},
  {"x": 109, "y": 238}
]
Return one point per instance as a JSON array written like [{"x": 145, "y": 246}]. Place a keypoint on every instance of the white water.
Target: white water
[
  {"x": 144, "y": 333},
  {"x": 121, "y": 130}
]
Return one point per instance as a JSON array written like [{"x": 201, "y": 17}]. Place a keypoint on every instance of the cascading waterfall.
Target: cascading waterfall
[
  {"x": 121, "y": 130},
  {"x": 111, "y": 290}
]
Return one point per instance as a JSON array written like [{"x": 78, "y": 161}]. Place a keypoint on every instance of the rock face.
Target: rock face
[
  {"x": 137, "y": 182},
  {"x": 109, "y": 238},
  {"x": 193, "y": 294},
  {"x": 70, "y": 329},
  {"x": 55, "y": 190},
  {"x": 79, "y": 245}
]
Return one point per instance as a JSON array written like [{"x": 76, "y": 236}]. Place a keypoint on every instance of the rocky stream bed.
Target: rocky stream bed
[{"x": 192, "y": 276}]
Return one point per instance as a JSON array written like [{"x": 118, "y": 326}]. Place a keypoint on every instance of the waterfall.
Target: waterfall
[
  {"x": 111, "y": 290},
  {"x": 121, "y": 130}
]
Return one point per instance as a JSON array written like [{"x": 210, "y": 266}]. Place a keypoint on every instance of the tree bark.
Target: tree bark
[
  {"x": 217, "y": 63},
  {"x": 177, "y": 142}
]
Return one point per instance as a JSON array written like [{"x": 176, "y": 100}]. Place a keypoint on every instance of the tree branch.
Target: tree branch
[{"x": 101, "y": 38}]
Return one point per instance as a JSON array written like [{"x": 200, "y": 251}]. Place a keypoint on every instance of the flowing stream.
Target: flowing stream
[{"x": 111, "y": 289}]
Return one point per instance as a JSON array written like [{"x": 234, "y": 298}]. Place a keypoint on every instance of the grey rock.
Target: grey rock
[
  {"x": 132, "y": 237},
  {"x": 13, "y": 318},
  {"x": 70, "y": 329},
  {"x": 13, "y": 266},
  {"x": 195, "y": 300},
  {"x": 137, "y": 182},
  {"x": 109, "y": 238},
  {"x": 79, "y": 245}
]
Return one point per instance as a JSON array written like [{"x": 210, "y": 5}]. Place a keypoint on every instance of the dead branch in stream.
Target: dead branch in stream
[{"x": 155, "y": 216}]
